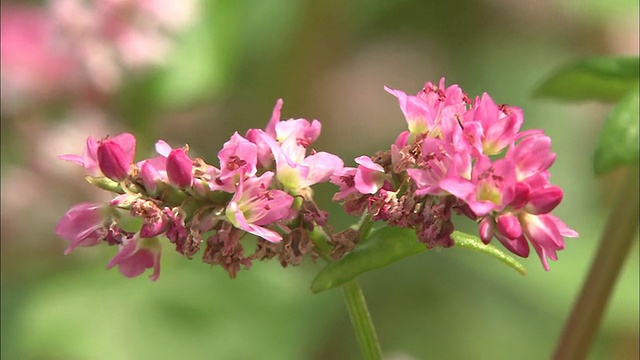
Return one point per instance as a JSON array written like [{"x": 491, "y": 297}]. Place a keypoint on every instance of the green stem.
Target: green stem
[
  {"x": 361, "y": 321},
  {"x": 615, "y": 246}
]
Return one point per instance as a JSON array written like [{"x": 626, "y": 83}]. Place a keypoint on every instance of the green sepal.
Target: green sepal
[
  {"x": 105, "y": 183},
  {"x": 388, "y": 245},
  {"x": 596, "y": 78}
]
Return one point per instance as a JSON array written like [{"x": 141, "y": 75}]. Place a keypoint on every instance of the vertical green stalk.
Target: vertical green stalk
[
  {"x": 361, "y": 321},
  {"x": 615, "y": 245}
]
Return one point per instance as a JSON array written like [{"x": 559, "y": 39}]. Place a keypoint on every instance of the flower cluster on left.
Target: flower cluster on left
[{"x": 261, "y": 187}]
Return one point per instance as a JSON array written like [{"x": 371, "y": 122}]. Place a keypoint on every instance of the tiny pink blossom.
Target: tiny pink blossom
[
  {"x": 255, "y": 205},
  {"x": 83, "y": 225},
  {"x": 238, "y": 156},
  {"x": 531, "y": 155},
  {"x": 89, "y": 158},
  {"x": 545, "y": 232},
  {"x": 369, "y": 176},
  {"x": 491, "y": 188},
  {"x": 153, "y": 172},
  {"x": 440, "y": 162},
  {"x": 431, "y": 107},
  {"x": 135, "y": 255},
  {"x": 345, "y": 179},
  {"x": 294, "y": 172},
  {"x": 499, "y": 124}
]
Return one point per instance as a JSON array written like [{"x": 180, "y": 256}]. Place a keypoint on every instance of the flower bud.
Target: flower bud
[
  {"x": 509, "y": 226},
  {"x": 544, "y": 200},
  {"x": 179, "y": 168},
  {"x": 113, "y": 161},
  {"x": 486, "y": 229}
]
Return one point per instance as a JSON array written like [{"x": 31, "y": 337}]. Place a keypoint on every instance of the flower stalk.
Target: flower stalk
[
  {"x": 361, "y": 321},
  {"x": 615, "y": 246}
]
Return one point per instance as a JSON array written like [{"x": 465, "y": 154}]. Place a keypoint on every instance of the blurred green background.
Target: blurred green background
[{"x": 328, "y": 60}]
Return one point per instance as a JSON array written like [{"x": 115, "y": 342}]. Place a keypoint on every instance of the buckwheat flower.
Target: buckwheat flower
[
  {"x": 85, "y": 224},
  {"x": 238, "y": 156},
  {"x": 296, "y": 173},
  {"x": 135, "y": 255},
  {"x": 369, "y": 176},
  {"x": 179, "y": 168},
  {"x": 345, "y": 179},
  {"x": 545, "y": 232},
  {"x": 294, "y": 135},
  {"x": 432, "y": 106},
  {"x": 255, "y": 205},
  {"x": 439, "y": 161},
  {"x": 491, "y": 187},
  {"x": 531, "y": 155},
  {"x": 153, "y": 172},
  {"x": 88, "y": 159},
  {"x": 499, "y": 124}
]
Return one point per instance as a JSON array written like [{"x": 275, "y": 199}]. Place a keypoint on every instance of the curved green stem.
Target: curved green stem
[
  {"x": 615, "y": 246},
  {"x": 361, "y": 321}
]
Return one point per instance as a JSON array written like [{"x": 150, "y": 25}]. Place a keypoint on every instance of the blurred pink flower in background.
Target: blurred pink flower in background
[
  {"x": 34, "y": 65},
  {"x": 83, "y": 48}
]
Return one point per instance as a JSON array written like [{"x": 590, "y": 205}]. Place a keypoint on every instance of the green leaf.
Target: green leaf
[
  {"x": 618, "y": 141},
  {"x": 384, "y": 246},
  {"x": 388, "y": 245},
  {"x": 474, "y": 243},
  {"x": 598, "y": 78}
]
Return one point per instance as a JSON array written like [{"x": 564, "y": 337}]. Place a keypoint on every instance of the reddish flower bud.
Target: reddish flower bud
[
  {"x": 486, "y": 229},
  {"x": 113, "y": 161},
  {"x": 509, "y": 226},
  {"x": 544, "y": 200},
  {"x": 179, "y": 168}
]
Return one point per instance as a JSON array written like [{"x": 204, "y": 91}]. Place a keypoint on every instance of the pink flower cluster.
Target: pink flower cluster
[
  {"x": 261, "y": 188},
  {"x": 458, "y": 155},
  {"x": 449, "y": 159}
]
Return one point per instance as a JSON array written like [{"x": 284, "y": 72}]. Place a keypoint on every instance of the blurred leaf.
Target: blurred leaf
[
  {"x": 388, "y": 245},
  {"x": 202, "y": 61},
  {"x": 618, "y": 142},
  {"x": 204, "y": 57},
  {"x": 598, "y": 78}
]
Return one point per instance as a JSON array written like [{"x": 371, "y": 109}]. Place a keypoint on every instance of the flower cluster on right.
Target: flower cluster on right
[{"x": 464, "y": 156}]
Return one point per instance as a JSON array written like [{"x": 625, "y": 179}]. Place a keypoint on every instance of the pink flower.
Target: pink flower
[
  {"x": 117, "y": 156},
  {"x": 135, "y": 255},
  {"x": 369, "y": 176},
  {"x": 545, "y": 232},
  {"x": 345, "y": 179},
  {"x": 153, "y": 172},
  {"x": 431, "y": 107},
  {"x": 499, "y": 124},
  {"x": 83, "y": 225},
  {"x": 88, "y": 159},
  {"x": 531, "y": 155},
  {"x": 113, "y": 161},
  {"x": 255, "y": 205},
  {"x": 491, "y": 188},
  {"x": 179, "y": 168},
  {"x": 296, "y": 172},
  {"x": 238, "y": 156},
  {"x": 439, "y": 162}
]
